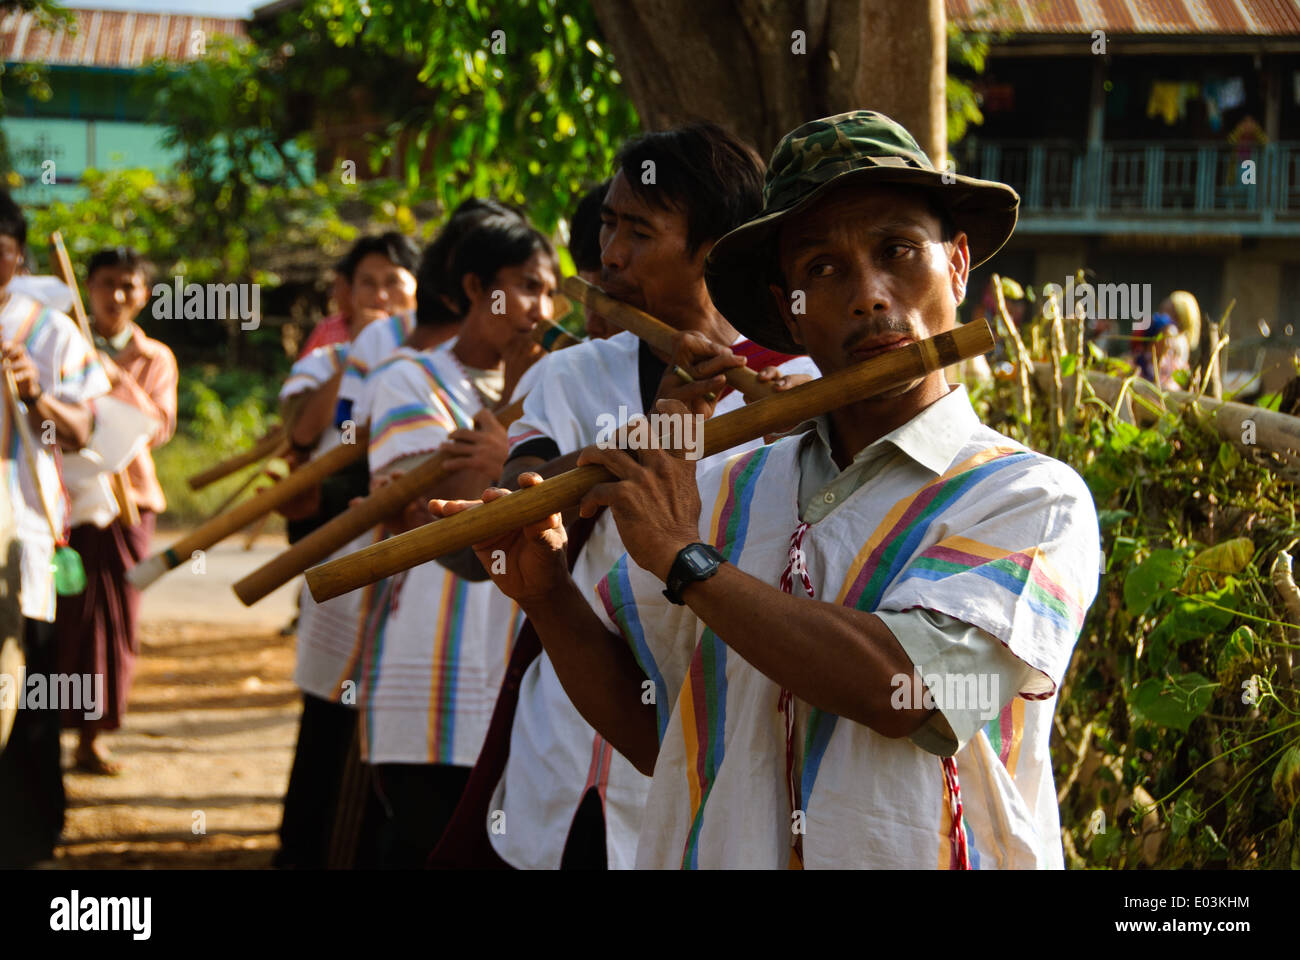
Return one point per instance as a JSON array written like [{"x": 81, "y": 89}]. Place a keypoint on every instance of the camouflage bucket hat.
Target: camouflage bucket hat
[{"x": 861, "y": 147}]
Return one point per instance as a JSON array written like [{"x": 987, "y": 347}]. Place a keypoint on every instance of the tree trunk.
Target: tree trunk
[{"x": 763, "y": 67}]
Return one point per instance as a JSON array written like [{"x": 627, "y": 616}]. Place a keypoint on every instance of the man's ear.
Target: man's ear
[
  {"x": 959, "y": 267},
  {"x": 783, "y": 308}
]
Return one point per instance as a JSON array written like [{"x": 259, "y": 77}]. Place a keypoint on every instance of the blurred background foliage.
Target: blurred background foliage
[{"x": 1177, "y": 740}]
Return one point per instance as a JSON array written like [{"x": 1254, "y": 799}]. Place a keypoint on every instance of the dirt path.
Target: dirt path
[{"x": 209, "y": 732}]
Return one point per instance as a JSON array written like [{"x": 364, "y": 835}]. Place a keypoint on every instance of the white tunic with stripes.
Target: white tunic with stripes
[
  {"x": 68, "y": 369},
  {"x": 555, "y": 755},
  {"x": 435, "y": 646},
  {"x": 1004, "y": 539}
]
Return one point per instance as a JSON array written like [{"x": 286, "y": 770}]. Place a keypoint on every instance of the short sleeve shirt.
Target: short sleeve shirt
[
  {"x": 68, "y": 369},
  {"x": 998, "y": 537},
  {"x": 555, "y": 755}
]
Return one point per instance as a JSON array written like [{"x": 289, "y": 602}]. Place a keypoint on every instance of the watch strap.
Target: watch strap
[{"x": 681, "y": 574}]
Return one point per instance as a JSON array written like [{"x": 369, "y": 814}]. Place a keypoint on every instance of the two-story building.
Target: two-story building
[{"x": 1151, "y": 141}]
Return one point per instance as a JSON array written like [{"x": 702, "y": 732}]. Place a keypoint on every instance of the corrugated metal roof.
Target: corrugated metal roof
[
  {"x": 111, "y": 38},
  {"x": 1212, "y": 17}
]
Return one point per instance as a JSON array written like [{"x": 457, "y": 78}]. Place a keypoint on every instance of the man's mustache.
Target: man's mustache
[{"x": 879, "y": 328}]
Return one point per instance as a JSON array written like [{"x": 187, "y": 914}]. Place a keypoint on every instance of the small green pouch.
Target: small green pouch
[{"x": 69, "y": 574}]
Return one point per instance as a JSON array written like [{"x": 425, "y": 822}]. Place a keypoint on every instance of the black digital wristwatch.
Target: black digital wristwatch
[{"x": 694, "y": 562}]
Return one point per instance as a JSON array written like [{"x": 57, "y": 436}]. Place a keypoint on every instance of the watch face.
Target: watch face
[{"x": 696, "y": 559}]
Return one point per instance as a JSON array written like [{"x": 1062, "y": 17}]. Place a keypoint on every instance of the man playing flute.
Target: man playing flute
[
  {"x": 842, "y": 649},
  {"x": 434, "y": 646},
  {"x": 380, "y": 273},
  {"x": 565, "y": 798}
]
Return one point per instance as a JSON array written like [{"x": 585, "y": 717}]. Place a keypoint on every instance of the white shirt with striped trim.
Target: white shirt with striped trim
[
  {"x": 68, "y": 369},
  {"x": 555, "y": 755},
  {"x": 435, "y": 647},
  {"x": 954, "y": 519}
]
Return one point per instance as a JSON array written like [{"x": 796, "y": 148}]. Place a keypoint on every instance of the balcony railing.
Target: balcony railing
[{"x": 1181, "y": 187}]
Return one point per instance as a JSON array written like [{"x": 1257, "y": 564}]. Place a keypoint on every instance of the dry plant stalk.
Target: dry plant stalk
[
  {"x": 1057, "y": 352},
  {"x": 1081, "y": 348},
  {"x": 1213, "y": 375},
  {"x": 1023, "y": 360},
  {"x": 1284, "y": 583}
]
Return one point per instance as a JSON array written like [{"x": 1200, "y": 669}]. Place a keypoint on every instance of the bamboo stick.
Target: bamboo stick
[
  {"x": 379, "y": 505},
  {"x": 751, "y": 422},
  {"x": 63, "y": 268},
  {"x": 272, "y": 444},
  {"x": 654, "y": 332},
  {"x": 241, "y": 515},
  {"x": 1276, "y": 432},
  {"x": 1023, "y": 359}
]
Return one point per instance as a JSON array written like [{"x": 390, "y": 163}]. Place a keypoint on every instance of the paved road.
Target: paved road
[{"x": 190, "y": 596}]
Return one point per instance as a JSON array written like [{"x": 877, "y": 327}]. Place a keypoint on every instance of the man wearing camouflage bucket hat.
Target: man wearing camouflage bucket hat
[{"x": 856, "y": 658}]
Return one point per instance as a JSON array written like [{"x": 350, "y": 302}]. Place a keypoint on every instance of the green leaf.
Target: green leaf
[
  {"x": 1182, "y": 816},
  {"x": 1191, "y": 619},
  {"x": 1123, "y": 436},
  {"x": 1105, "y": 845},
  {"x": 1240, "y": 647},
  {"x": 1151, "y": 580},
  {"x": 1228, "y": 457},
  {"x": 1108, "y": 518},
  {"x": 1173, "y": 702}
]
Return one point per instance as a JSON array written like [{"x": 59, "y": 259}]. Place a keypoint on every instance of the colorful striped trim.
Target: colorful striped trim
[
  {"x": 704, "y": 722},
  {"x": 598, "y": 772},
  {"x": 1006, "y": 731},
  {"x": 463, "y": 419},
  {"x": 704, "y": 694},
  {"x": 446, "y": 669},
  {"x": 879, "y": 563},
  {"x": 526, "y": 435},
  {"x": 404, "y": 419},
  {"x": 82, "y": 368},
  {"x": 31, "y": 326},
  {"x": 615, "y": 592},
  {"x": 905, "y": 525},
  {"x": 817, "y": 738},
  {"x": 1020, "y": 572}
]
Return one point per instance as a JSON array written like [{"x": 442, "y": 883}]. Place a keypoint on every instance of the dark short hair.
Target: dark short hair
[
  {"x": 711, "y": 176},
  {"x": 12, "y": 222},
  {"x": 479, "y": 243},
  {"x": 398, "y": 248},
  {"x": 124, "y": 257},
  {"x": 584, "y": 229},
  {"x": 434, "y": 277}
]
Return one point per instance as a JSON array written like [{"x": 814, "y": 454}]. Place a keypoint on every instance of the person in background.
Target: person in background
[
  {"x": 435, "y": 646},
  {"x": 1156, "y": 351},
  {"x": 380, "y": 273},
  {"x": 337, "y": 326},
  {"x": 95, "y": 629},
  {"x": 56, "y": 376},
  {"x": 1183, "y": 308}
]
